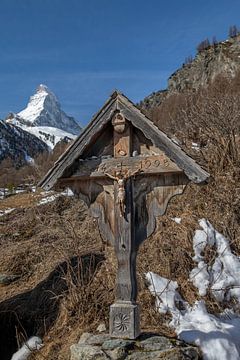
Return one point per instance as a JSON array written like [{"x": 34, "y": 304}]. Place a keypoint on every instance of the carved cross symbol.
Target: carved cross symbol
[{"x": 126, "y": 170}]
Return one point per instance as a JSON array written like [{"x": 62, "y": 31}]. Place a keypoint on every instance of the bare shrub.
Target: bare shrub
[
  {"x": 233, "y": 31},
  {"x": 212, "y": 119},
  {"x": 31, "y": 173},
  {"x": 203, "y": 45}
]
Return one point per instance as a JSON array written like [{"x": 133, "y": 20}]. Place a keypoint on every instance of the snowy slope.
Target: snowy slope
[
  {"x": 19, "y": 145},
  {"x": 50, "y": 135},
  {"x": 44, "y": 118}
]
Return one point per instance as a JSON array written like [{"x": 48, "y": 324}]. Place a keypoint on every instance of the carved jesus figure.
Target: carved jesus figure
[{"x": 121, "y": 180}]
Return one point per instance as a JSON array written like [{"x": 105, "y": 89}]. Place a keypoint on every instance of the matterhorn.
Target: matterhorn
[{"x": 44, "y": 118}]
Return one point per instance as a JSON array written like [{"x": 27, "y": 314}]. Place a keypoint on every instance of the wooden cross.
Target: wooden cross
[
  {"x": 127, "y": 181},
  {"x": 134, "y": 192}
]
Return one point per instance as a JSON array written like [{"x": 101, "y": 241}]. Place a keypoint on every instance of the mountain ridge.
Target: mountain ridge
[
  {"x": 222, "y": 58},
  {"x": 37, "y": 128},
  {"x": 18, "y": 145}
]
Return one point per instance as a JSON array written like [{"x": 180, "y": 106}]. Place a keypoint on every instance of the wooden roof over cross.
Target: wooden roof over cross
[
  {"x": 126, "y": 170},
  {"x": 119, "y": 102}
]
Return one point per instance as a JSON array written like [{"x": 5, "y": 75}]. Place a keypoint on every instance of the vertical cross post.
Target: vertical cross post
[{"x": 124, "y": 313}]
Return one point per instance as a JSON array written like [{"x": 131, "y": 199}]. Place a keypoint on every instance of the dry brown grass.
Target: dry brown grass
[
  {"x": 34, "y": 241},
  {"x": 21, "y": 201}
]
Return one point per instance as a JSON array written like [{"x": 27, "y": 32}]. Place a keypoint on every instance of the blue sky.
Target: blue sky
[{"x": 83, "y": 49}]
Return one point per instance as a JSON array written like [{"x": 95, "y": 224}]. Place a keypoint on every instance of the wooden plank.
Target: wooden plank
[
  {"x": 103, "y": 209},
  {"x": 99, "y": 197},
  {"x": 126, "y": 283},
  {"x": 151, "y": 197},
  {"x": 145, "y": 164}
]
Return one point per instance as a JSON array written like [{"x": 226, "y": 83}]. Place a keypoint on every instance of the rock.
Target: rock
[
  {"x": 191, "y": 353},
  {"x": 8, "y": 279},
  {"x": 170, "y": 354},
  {"x": 156, "y": 343},
  {"x": 117, "y": 343},
  {"x": 101, "y": 327},
  {"x": 144, "y": 355},
  {"x": 146, "y": 347},
  {"x": 117, "y": 354},
  {"x": 87, "y": 352},
  {"x": 84, "y": 337},
  {"x": 97, "y": 339}
]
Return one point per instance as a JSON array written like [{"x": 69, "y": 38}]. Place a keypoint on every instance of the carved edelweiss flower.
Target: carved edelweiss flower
[{"x": 121, "y": 322}]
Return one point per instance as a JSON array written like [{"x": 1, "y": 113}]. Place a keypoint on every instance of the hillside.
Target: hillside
[
  {"x": 18, "y": 145},
  {"x": 221, "y": 58},
  {"x": 55, "y": 240}
]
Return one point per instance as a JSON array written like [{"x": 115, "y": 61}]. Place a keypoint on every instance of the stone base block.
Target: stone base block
[{"x": 124, "y": 320}]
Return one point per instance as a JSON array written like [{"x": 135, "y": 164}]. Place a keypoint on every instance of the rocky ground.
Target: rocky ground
[{"x": 147, "y": 347}]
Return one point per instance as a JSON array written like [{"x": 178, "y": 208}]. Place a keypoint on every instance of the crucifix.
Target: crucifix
[{"x": 126, "y": 170}]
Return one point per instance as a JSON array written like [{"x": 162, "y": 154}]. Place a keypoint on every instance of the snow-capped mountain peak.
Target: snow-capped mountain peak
[
  {"x": 43, "y": 88},
  {"x": 44, "y": 109},
  {"x": 36, "y": 104},
  {"x": 44, "y": 118}
]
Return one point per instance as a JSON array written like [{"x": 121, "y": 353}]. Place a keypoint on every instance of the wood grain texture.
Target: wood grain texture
[
  {"x": 153, "y": 164},
  {"x": 151, "y": 197},
  {"x": 126, "y": 284}
]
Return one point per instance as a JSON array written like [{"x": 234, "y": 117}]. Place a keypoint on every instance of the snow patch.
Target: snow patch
[
  {"x": 165, "y": 292},
  {"x": 47, "y": 199},
  {"x": 6, "y": 211},
  {"x": 222, "y": 278},
  {"x": 218, "y": 337},
  {"x": 33, "y": 344},
  {"x": 195, "y": 146},
  {"x": 177, "y": 220},
  {"x": 29, "y": 159}
]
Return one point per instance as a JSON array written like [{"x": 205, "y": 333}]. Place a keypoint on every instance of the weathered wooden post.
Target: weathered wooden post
[{"x": 126, "y": 170}]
